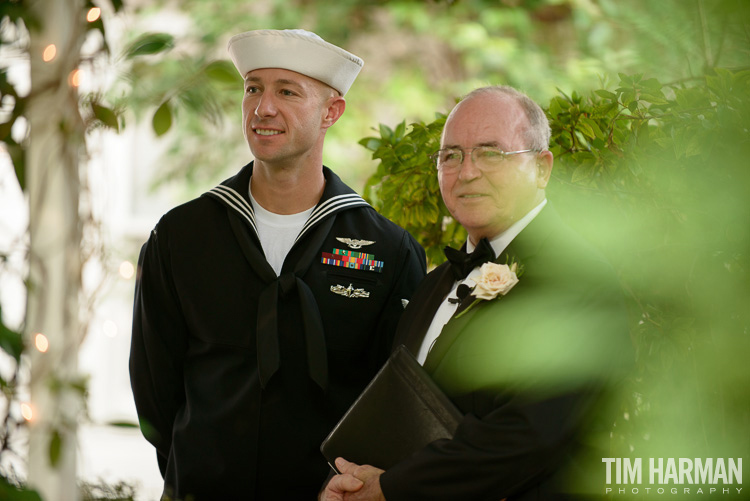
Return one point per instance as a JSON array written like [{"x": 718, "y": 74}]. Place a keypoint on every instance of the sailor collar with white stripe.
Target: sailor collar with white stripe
[{"x": 336, "y": 197}]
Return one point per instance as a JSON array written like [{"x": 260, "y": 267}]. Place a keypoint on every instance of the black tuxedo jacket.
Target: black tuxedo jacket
[{"x": 530, "y": 370}]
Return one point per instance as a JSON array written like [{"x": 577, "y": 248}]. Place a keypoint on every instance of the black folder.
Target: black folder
[{"x": 400, "y": 411}]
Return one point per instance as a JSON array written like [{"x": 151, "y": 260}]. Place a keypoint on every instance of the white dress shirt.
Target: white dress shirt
[{"x": 448, "y": 309}]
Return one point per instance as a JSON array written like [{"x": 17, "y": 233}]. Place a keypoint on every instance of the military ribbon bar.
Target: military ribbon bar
[{"x": 352, "y": 259}]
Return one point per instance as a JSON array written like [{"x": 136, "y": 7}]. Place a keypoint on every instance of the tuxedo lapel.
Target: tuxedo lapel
[
  {"x": 420, "y": 312},
  {"x": 447, "y": 337},
  {"x": 525, "y": 247},
  {"x": 421, "y": 309}
]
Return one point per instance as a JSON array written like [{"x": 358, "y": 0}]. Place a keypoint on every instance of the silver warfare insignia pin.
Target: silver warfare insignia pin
[
  {"x": 354, "y": 243},
  {"x": 349, "y": 291}
]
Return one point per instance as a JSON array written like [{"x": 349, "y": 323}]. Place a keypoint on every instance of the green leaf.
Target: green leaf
[
  {"x": 606, "y": 94},
  {"x": 594, "y": 127},
  {"x": 10, "y": 341},
  {"x": 55, "y": 448},
  {"x": 222, "y": 72},
  {"x": 564, "y": 140},
  {"x": 371, "y": 143},
  {"x": 556, "y": 150},
  {"x": 5, "y": 128},
  {"x": 400, "y": 130},
  {"x": 653, "y": 98},
  {"x": 651, "y": 84},
  {"x": 627, "y": 97},
  {"x": 123, "y": 424},
  {"x": 691, "y": 98},
  {"x": 583, "y": 142},
  {"x": 603, "y": 110},
  {"x": 404, "y": 151},
  {"x": 18, "y": 156},
  {"x": 162, "y": 120},
  {"x": 386, "y": 132},
  {"x": 555, "y": 107},
  {"x": 17, "y": 493},
  {"x": 586, "y": 129},
  {"x": 150, "y": 43},
  {"x": 106, "y": 116},
  {"x": 80, "y": 385},
  {"x": 581, "y": 173}
]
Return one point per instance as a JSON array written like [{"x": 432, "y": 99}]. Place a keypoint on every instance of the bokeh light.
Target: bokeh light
[
  {"x": 26, "y": 411},
  {"x": 49, "y": 53},
  {"x": 41, "y": 342},
  {"x": 127, "y": 270},
  {"x": 93, "y": 14}
]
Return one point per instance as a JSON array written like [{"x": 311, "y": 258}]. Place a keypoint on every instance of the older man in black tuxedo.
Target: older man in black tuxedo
[{"x": 525, "y": 331}]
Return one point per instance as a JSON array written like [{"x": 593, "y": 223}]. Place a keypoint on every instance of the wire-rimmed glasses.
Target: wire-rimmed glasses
[{"x": 485, "y": 158}]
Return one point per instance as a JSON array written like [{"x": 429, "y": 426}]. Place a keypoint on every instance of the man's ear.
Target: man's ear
[
  {"x": 544, "y": 162},
  {"x": 334, "y": 109}
]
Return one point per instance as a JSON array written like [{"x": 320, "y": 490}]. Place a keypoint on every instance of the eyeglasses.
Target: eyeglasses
[{"x": 486, "y": 158}]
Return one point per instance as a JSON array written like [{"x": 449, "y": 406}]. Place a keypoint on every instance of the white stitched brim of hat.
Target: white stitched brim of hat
[{"x": 295, "y": 50}]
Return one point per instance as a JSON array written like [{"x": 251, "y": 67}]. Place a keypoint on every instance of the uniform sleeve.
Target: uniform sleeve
[
  {"x": 157, "y": 346},
  {"x": 411, "y": 269}
]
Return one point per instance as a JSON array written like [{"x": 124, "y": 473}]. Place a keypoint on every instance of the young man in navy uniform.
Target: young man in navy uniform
[{"x": 263, "y": 307}]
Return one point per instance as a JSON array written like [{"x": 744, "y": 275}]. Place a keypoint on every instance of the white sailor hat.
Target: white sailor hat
[{"x": 296, "y": 50}]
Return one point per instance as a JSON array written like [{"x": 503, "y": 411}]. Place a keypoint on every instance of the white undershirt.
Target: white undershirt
[
  {"x": 277, "y": 232},
  {"x": 447, "y": 309}
]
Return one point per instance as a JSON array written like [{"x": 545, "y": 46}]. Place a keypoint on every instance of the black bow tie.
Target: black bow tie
[{"x": 462, "y": 263}]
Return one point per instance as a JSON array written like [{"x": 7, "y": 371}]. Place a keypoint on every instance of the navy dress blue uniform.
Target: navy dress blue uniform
[{"x": 238, "y": 374}]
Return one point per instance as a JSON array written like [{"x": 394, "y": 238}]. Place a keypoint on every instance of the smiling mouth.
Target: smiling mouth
[
  {"x": 267, "y": 132},
  {"x": 471, "y": 196}
]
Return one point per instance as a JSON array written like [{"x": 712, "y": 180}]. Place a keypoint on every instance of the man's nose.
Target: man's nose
[
  {"x": 266, "y": 107},
  {"x": 468, "y": 170}
]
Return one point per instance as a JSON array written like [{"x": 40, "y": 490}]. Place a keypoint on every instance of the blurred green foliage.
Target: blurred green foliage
[
  {"x": 12, "y": 489},
  {"x": 419, "y": 55}
]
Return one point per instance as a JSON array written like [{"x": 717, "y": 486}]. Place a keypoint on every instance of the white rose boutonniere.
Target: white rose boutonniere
[{"x": 495, "y": 280}]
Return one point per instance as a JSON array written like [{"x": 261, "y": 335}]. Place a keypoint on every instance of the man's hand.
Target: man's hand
[
  {"x": 368, "y": 475},
  {"x": 339, "y": 486},
  {"x": 355, "y": 483}
]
